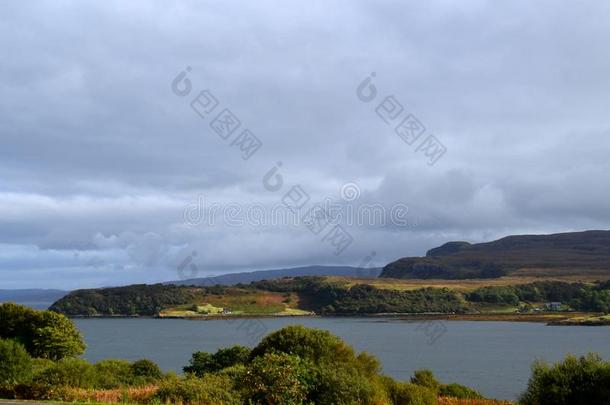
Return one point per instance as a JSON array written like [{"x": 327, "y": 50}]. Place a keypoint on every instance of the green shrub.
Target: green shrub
[
  {"x": 277, "y": 379},
  {"x": 235, "y": 373},
  {"x": 315, "y": 345},
  {"x": 459, "y": 391},
  {"x": 425, "y": 378},
  {"x": 112, "y": 373},
  {"x": 146, "y": 369},
  {"x": 15, "y": 363},
  {"x": 203, "y": 362},
  {"x": 575, "y": 381},
  {"x": 39, "y": 365},
  {"x": 44, "y": 334},
  {"x": 337, "y": 375},
  {"x": 211, "y": 389},
  {"x": 69, "y": 373},
  {"x": 411, "y": 394},
  {"x": 342, "y": 385}
]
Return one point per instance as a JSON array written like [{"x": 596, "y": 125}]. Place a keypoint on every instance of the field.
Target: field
[
  {"x": 240, "y": 302},
  {"x": 522, "y": 276}
]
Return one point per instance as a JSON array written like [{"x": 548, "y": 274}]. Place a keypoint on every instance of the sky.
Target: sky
[{"x": 116, "y": 144}]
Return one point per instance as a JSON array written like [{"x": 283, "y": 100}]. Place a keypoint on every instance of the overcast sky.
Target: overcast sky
[{"x": 100, "y": 159}]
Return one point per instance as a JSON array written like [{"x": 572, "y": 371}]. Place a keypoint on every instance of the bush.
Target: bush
[
  {"x": 146, "y": 369},
  {"x": 425, "y": 378},
  {"x": 575, "y": 381},
  {"x": 112, "y": 373},
  {"x": 337, "y": 375},
  {"x": 315, "y": 345},
  {"x": 44, "y": 334},
  {"x": 69, "y": 373},
  {"x": 39, "y": 365},
  {"x": 210, "y": 389},
  {"x": 459, "y": 391},
  {"x": 29, "y": 390},
  {"x": 15, "y": 363},
  {"x": 203, "y": 362},
  {"x": 411, "y": 394},
  {"x": 277, "y": 379},
  {"x": 343, "y": 385}
]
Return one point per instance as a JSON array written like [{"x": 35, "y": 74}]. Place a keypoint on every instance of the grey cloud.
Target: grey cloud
[{"x": 99, "y": 157}]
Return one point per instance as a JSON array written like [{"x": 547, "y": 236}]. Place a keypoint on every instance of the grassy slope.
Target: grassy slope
[
  {"x": 521, "y": 277},
  {"x": 240, "y": 302}
]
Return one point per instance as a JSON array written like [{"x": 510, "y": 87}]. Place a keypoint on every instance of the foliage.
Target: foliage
[
  {"x": 460, "y": 401},
  {"x": 211, "y": 389},
  {"x": 44, "y": 334},
  {"x": 146, "y": 369},
  {"x": 579, "y": 296},
  {"x": 203, "y": 362},
  {"x": 15, "y": 363},
  {"x": 459, "y": 391},
  {"x": 315, "y": 345},
  {"x": 278, "y": 379},
  {"x": 425, "y": 378},
  {"x": 106, "y": 374},
  {"x": 138, "y": 299},
  {"x": 410, "y": 394},
  {"x": 332, "y": 298},
  {"x": 574, "y": 381},
  {"x": 337, "y": 374},
  {"x": 112, "y": 373},
  {"x": 68, "y": 372}
]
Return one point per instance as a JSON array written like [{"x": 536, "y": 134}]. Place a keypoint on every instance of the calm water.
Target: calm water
[{"x": 493, "y": 357}]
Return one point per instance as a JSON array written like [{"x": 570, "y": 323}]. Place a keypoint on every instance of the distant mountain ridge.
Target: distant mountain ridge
[
  {"x": 248, "y": 277},
  {"x": 562, "y": 252},
  {"x": 32, "y": 297}
]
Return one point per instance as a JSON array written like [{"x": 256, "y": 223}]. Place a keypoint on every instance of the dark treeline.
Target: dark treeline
[
  {"x": 326, "y": 297},
  {"x": 580, "y": 297},
  {"x": 137, "y": 299}
]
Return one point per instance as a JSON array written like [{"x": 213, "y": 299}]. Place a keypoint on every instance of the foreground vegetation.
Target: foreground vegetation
[{"x": 294, "y": 365}]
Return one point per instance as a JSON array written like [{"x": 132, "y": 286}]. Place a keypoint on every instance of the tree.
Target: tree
[
  {"x": 203, "y": 362},
  {"x": 575, "y": 381},
  {"x": 425, "y": 378},
  {"x": 337, "y": 375},
  {"x": 277, "y": 378},
  {"x": 44, "y": 334},
  {"x": 147, "y": 369},
  {"x": 15, "y": 363},
  {"x": 315, "y": 345}
]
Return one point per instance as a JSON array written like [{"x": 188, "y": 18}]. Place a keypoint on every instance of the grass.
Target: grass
[
  {"x": 240, "y": 302},
  {"x": 456, "y": 401},
  {"x": 523, "y": 276},
  {"x": 585, "y": 320}
]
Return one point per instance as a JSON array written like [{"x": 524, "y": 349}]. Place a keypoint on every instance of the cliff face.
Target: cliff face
[{"x": 574, "y": 251}]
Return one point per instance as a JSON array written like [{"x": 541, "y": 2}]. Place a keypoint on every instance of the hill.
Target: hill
[
  {"x": 556, "y": 254},
  {"x": 249, "y": 277}
]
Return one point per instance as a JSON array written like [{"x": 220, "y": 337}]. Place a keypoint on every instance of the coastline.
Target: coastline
[{"x": 551, "y": 319}]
